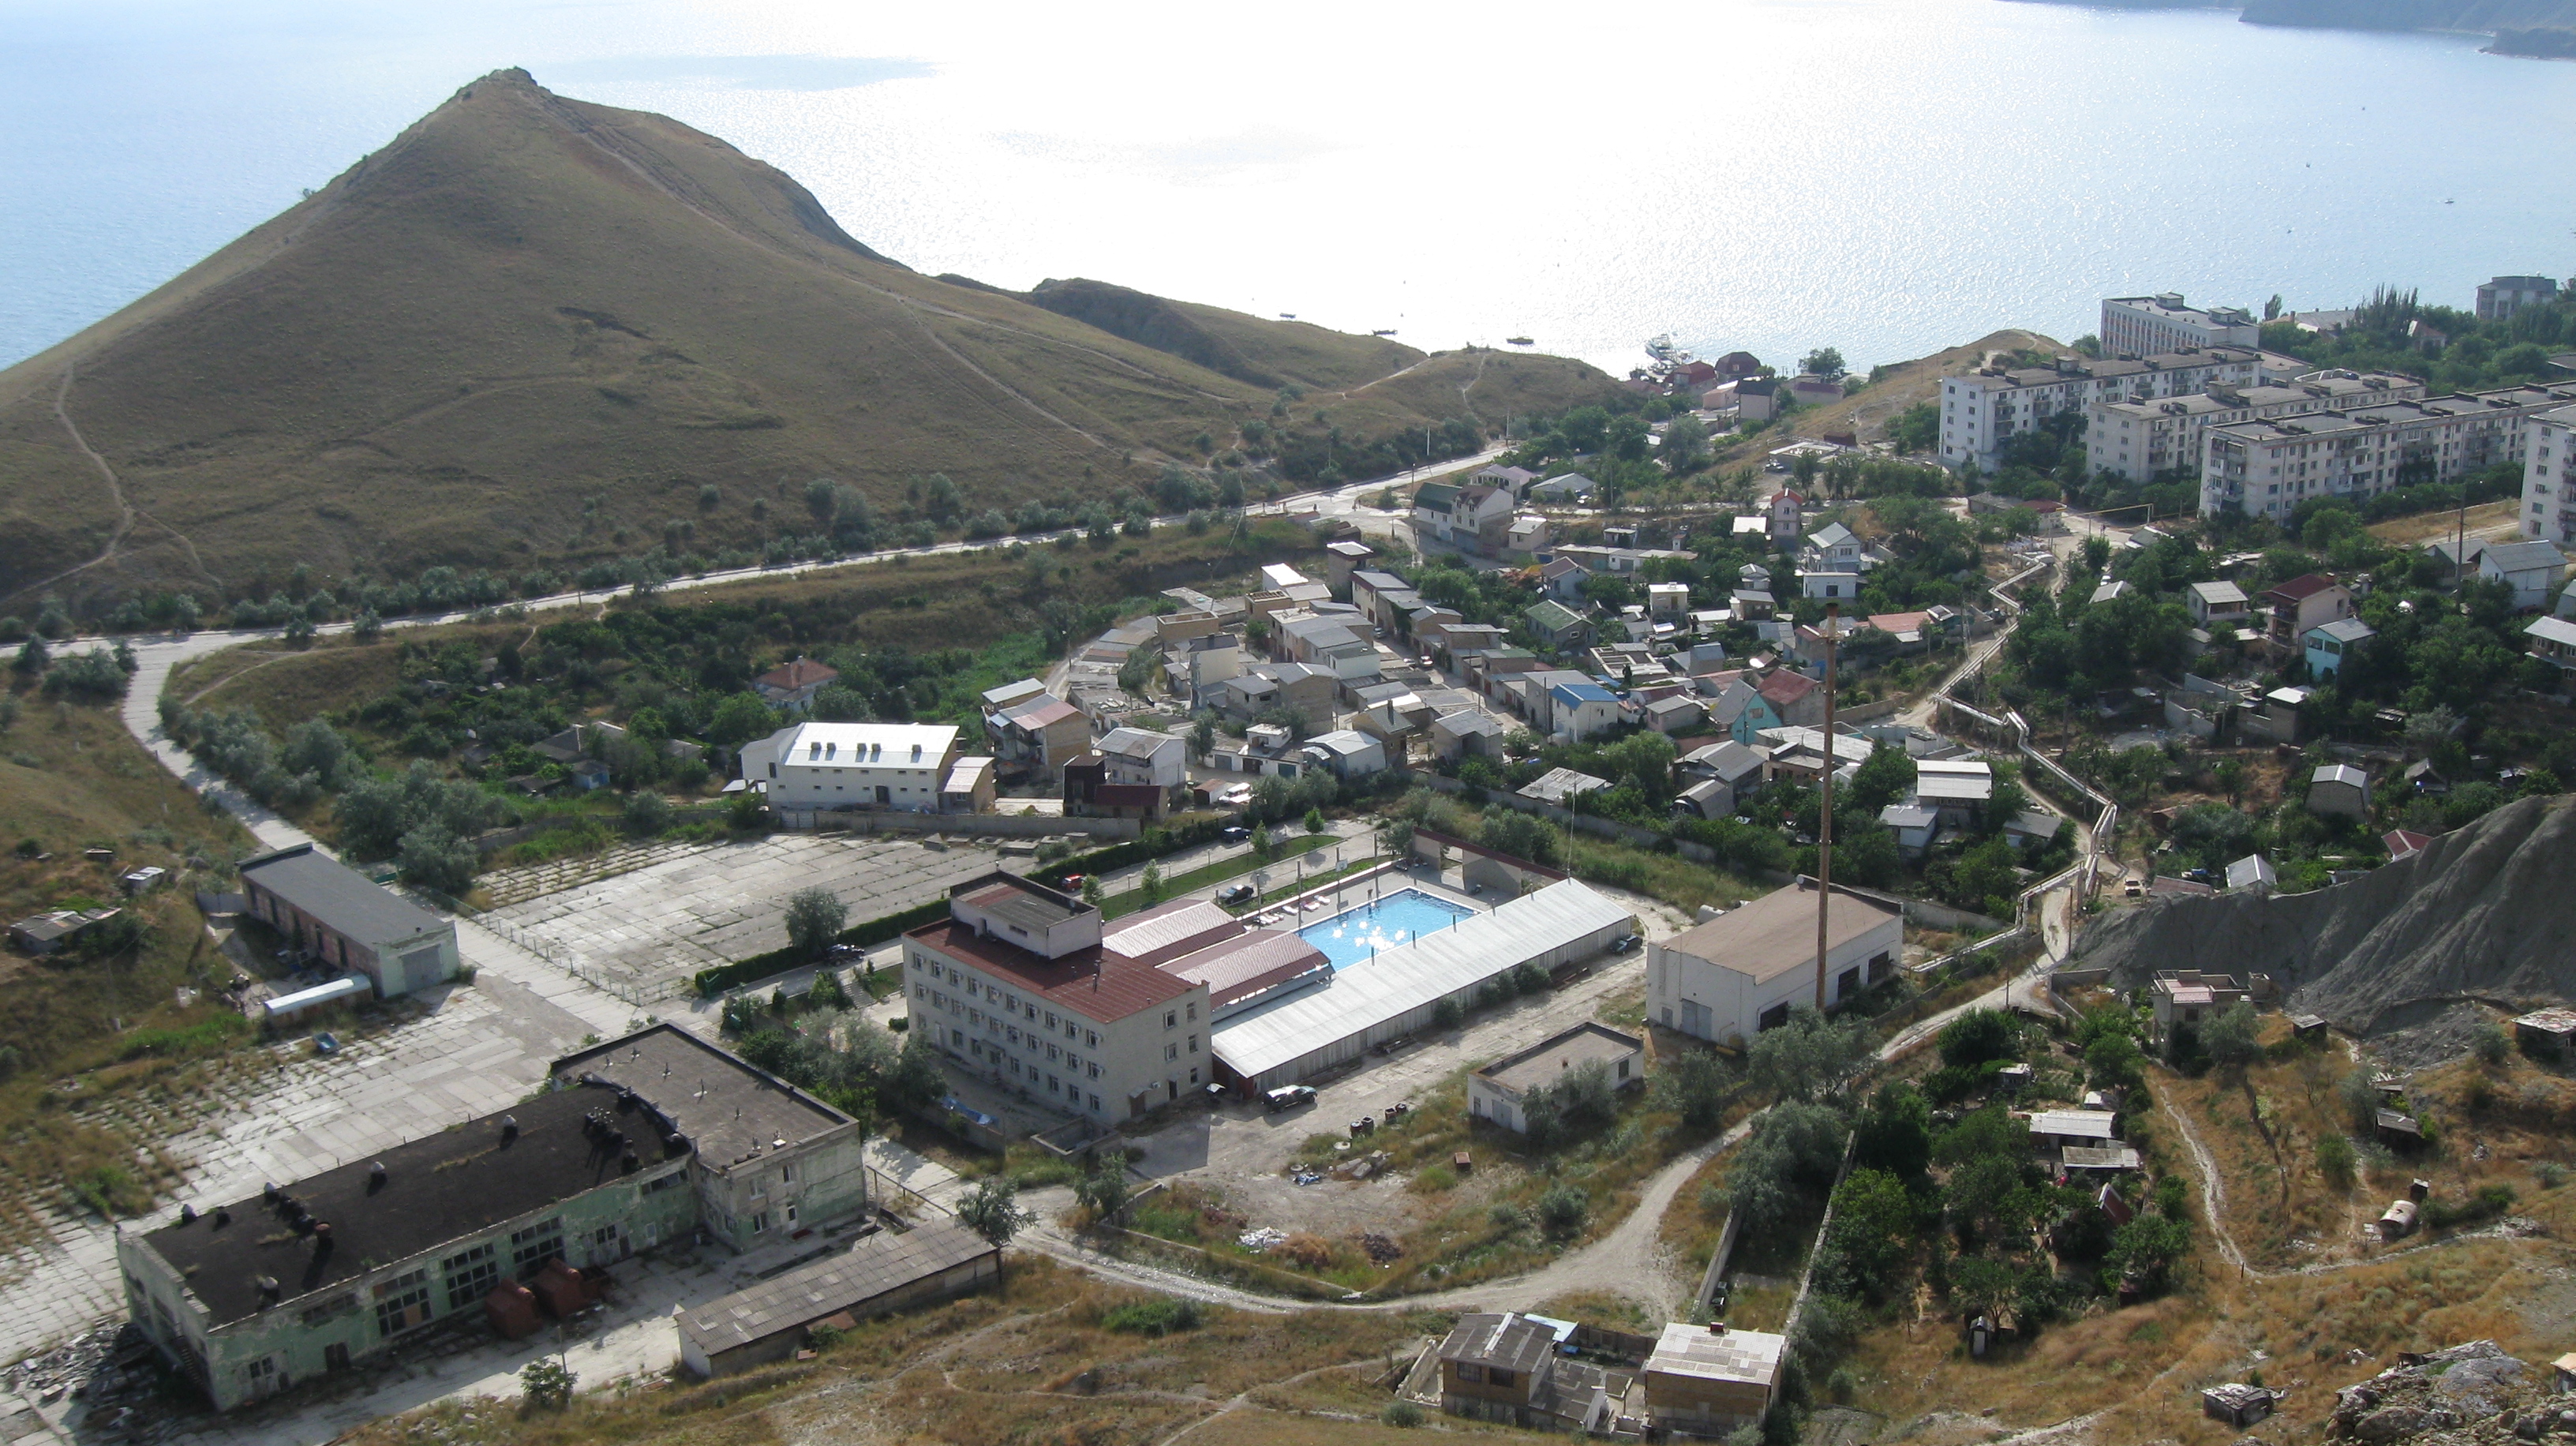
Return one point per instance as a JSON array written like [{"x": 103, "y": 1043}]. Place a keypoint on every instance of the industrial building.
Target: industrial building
[
  {"x": 1395, "y": 993},
  {"x": 820, "y": 766},
  {"x": 335, "y": 914},
  {"x": 640, "y": 1141},
  {"x": 882, "y": 1273},
  {"x": 1740, "y": 973}
]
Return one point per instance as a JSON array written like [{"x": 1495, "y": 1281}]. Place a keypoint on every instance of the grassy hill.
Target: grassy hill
[
  {"x": 532, "y": 330},
  {"x": 1867, "y": 413}
]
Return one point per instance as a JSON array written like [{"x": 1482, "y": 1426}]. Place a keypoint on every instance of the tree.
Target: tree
[
  {"x": 738, "y": 719},
  {"x": 1977, "y": 1036},
  {"x": 2114, "y": 1062},
  {"x": 2146, "y": 1248},
  {"x": 1885, "y": 777},
  {"x": 1103, "y": 1188},
  {"x": 1895, "y": 1133},
  {"x": 435, "y": 858},
  {"x": 1519, "y": 835},
  {"x": 547, "y": 1383},
  {"x": 1875, "y": 1230},
  {"x": 1808, "y": 1057},
  {"x": 1824, "y": 361},
  {"x": 1315, "y": 821},
  {"x": 1792, "y": 1157},
  {"x": 1151, "y": 884},
  {"x": 2232, "y": 1039},
  {"x": 815, "y": 918},
  {"x": 1694, "y": 1084},
  {"x": 992, "y": 1210}
]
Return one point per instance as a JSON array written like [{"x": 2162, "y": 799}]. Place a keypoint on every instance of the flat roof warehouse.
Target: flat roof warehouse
[{"x": 1281, "y": 1042}]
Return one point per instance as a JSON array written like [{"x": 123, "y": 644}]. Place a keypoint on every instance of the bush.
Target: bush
[
  {"x": 1160, "y": 1316},
  {"x": 547, "y": 1383},
  {"x": 2335, "y": 1160},
  {"x": 1446, "y": 1014},
  {"x": 1976, "y": 1037},
  {"x": 2490, "y": 1202},
  {"x": 2491, "y": 1045},
  {"x": 1403, "y": 1414},
  {"x": 1562, "y": 1209}
]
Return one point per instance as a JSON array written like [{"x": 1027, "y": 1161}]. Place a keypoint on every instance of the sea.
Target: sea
[{"x": 1886, "y": 177}]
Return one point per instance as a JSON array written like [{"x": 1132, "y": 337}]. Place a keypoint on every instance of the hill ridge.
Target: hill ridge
[{"x": 531, "y": 331}]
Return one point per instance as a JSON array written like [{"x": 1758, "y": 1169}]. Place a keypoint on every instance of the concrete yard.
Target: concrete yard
[{"x": 644, "y": 933}]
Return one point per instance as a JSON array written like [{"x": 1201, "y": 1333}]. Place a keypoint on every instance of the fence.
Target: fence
[
  {"x": 970, "y": 825},
  {"x": 1718, "y": 1262},
  {"x": 640, "y": 994}
]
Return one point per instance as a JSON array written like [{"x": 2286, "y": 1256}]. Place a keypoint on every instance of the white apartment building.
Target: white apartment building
[
  {"x": 2500, "y": 298},
  {"x": 2136, "y": 440},
  {"x": 2549, "y": 443},
  {"x": 853, "y": 765},
  {"x": 1016, "y": 986},
  {"x": 1987, "y": 407},
  {"x": 2142, "y": 326},
  {"x": 2269, "y": 467}
]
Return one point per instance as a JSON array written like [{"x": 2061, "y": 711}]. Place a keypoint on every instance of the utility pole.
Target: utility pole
[{"x": 1825, "y": 809}]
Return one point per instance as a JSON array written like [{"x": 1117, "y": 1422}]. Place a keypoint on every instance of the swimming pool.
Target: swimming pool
[{"x": 1352, "y": 936}]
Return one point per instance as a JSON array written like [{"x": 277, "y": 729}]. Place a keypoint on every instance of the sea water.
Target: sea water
[{"x": 1884, "y": 176}]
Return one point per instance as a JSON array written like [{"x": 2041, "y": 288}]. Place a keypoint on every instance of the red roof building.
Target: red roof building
[
  {"x": 793, "y": 685},
  {"x": 1017, "y": 986}
]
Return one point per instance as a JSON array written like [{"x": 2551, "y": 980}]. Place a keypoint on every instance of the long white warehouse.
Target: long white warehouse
[{"x": 1395, "y": 993}]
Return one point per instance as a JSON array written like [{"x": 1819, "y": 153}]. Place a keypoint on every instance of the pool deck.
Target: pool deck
[{"x": 1343, "y": 895}]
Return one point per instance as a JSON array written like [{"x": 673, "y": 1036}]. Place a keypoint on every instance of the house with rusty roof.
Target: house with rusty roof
[{"x": 791, "y": 686}]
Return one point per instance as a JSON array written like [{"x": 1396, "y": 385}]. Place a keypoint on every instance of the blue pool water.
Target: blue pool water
[{"x": 1353, "y": 935}]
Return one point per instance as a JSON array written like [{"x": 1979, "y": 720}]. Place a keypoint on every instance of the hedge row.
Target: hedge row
[
  {"x": 1153, "y": 843},
  {"x": 761, "y": 967}
]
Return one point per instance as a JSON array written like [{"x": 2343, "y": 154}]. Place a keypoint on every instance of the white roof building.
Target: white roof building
[
  {"x": 854, "y": 765},
  {"x": 1394, "y": 993}
]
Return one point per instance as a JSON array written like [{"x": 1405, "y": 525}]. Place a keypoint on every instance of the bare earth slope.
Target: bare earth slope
[
  {"x": 2485, "y": 913},
  {"x": 524, "y": 304}
]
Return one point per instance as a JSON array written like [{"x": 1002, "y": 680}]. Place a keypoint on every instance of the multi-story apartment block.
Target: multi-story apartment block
[
  {"x": 2548, "y": 510},
  {"x": 2137, "y": 440},
  {"x": 1016, "y": 985},
  {"x": 2268, "y": 467},
  {"x": 2142, "y": 326},
  {"x": 1986, "y": 408},
  {"x": 2499, "y": 299}
]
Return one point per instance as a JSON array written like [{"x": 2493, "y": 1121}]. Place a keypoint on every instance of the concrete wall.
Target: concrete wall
[{"x": 971, "y": 825}]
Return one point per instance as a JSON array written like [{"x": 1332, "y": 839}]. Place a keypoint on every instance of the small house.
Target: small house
[
  {"x": 2087, "y": 1129},
  {"x": 1711, "y": 1380},
  {"x": 1561, "y": 786},
  {"x": 2252, "y": 874},
  {"x": 1499, "y": 1092},
  {"x": 2330, "y": 643},
  {"x": 2339, "y": 790},
  {"x": 790, "y": 687},
  {"x": 1496, "y": 1367},
  {"x": 2530, "y": 569}
]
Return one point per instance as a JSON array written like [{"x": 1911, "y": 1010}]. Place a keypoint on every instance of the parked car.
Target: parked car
[
  {"x": 1289, "y": 1097},
  {"x": 325, "y": 1043},
  {"x": 1627, "y": 944},
  {"x": 1235, "y": 894},
  {"x": 1234, "y": 834}
]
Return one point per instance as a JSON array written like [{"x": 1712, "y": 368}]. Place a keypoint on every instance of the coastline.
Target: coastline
[{"x": 2519, "y": 29}]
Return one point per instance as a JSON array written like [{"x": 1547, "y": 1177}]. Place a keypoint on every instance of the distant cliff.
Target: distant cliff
[
  {"x": 2549, "y": 42},
  {"x": 2486, "y": 16}
]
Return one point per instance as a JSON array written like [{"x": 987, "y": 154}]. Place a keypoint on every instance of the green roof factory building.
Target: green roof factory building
[{"x": 640, "y": 1141}]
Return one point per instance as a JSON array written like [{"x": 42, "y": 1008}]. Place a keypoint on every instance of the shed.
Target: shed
[
  {"x": 2547, "y": 1033},
  {"x": 2341, "y": 789},
  {"x": 347, "y": 989},
  {"x": 2236, "y": 1403},
  {"x": 2081, "y": 1128},
  {"x": 2398, "y": 1129},
  {"x": 2399, "y": 1221},
  {"x": 882, "y": 1273}
]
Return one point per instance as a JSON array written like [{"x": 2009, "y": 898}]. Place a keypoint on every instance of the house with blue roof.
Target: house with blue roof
[{"x": 1578, "y": 711}]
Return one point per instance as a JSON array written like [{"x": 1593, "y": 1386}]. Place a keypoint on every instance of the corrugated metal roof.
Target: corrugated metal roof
[
  {"x": 1169, "y": 931},
  {"x": 1410, "y": 976},
  {"x": 875, "y": 1265},
  {"x": 2088, "y": 1124}
]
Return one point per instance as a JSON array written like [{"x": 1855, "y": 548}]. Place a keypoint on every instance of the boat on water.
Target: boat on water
[
  {"x": 1287, "y": 316},
  {"x": 1518, "y": 341},
  {"x": 1383, "y": 331},
  {"x": 1663, "y": 349}
]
